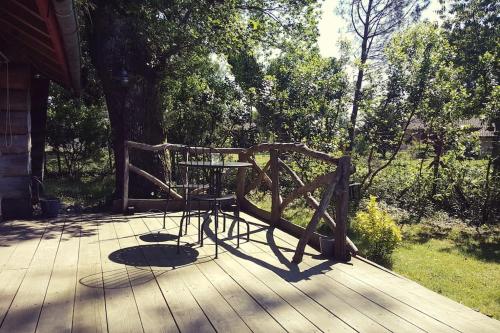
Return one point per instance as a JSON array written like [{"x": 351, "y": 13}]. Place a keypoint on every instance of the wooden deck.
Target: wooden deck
[{"x": 111, "y": 273}]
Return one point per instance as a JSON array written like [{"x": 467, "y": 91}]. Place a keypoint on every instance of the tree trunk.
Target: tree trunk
[
  {"x": 438, "y": 151},
  {"x": 361, "y": 74},
  {"x": 494, "y": 200},
  {"x": 58, "y": 157},
  {"x": 119, "y": 54}
]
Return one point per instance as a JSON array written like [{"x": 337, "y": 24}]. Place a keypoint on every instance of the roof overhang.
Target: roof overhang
[{"x": 44, "y": 32}]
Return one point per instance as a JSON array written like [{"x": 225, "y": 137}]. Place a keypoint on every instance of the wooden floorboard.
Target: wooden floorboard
[
  {"x": 246, "y": 308},
  {"x": 57, "y": 309},
  {"x": 118, "y": 294},
  {"x": 187, "y": 312},
  {"x": 102, "y": 273},
  {"x": 150, "y": 301},
  {"x": 24, "y": 311},
  {"x": 436, "y": 312},
  {"x": 89, "y": 313}
]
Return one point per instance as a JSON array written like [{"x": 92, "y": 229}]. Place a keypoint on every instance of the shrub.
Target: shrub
[{"x": 376, "y": 232}]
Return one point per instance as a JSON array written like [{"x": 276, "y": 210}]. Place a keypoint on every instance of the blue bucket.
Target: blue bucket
[{"x": 50, "y": 207}]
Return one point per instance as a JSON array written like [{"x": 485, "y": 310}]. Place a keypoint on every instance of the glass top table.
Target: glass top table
[{"x": 215, "y": 165}]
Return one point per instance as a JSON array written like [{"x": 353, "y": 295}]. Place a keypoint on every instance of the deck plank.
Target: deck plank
[
  {"x": 89, "y": 309},
  {"x": 255, "y": 317},
  {"x": 284, "y": 313},
  {"x": 25, "y": 309},
  {"x": 118, "y": 294},
  {"x": 16, "y": 254},
  {"x": 57, "y": 309},
  {"x": 354, "y": 299},
  {"x": 272, "y": 273},
  {"x": 20, "y": 242},
  {"x": 320, "y": 293},
  {"x": 188, "y": 314},
  {"x": 150, "y": 301}
]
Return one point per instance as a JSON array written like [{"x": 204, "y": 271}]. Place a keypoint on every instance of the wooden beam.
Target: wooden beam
[
  {"x": 15, "y": 17},
  {"x": 309, "y": 187},
  {"x": 33, "y": 14},
  {"x": 241, "y": 177},
  {"x": 262, "y": 174},
  {"x": 341, "y": 209},
  {"x": 126, "y": 168},
  {"x": 152, "y": 179},
  {"x": 28, "y": 39},
  {"x": 20, "y": 144},
  {"x": 311, "y": 201},
  {"x": 282, "y": 147},
  {"x": 311, "y": 227},
  {"x": 19, "y": 123},
  {"x": 275, "y": 187},
  {"x": 15, "y": 165},
  {"x": 284, "y": 225}
]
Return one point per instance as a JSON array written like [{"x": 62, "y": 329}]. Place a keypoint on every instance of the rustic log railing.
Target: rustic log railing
[{"x": 336, "y": 183}]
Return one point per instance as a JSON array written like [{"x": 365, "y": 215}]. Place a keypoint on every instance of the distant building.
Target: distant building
[{"x": 485, "y": 131}]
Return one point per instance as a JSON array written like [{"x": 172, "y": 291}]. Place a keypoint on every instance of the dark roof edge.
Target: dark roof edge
[{"x": 68, "y": 25}]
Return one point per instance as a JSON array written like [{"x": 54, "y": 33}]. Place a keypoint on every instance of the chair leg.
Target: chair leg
[
  {"x": 165, "y": 212},
  {"x": 199, "y": 219},
  {"x": 188, "y": 214},
  {"x": 223, "y": 222},
  {"x": 216, "y": 230},
  {"x": 180, "y": 232},
  {"x": 237, "y": 215}
]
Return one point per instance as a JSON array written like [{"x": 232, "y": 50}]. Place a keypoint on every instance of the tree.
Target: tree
[
  {"x": 424, "y": 83},
  {"x": 145, "y": 40},
  {"x": 204, "y": 107},
  {"x": 304, "y": 99},
  {"x": 473, "y": 29},
  {"x": 77, "y": 130},
  {"x": 373, "y": 22}
]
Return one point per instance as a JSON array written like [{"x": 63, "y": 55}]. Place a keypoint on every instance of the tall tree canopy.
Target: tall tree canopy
[
  {"x": 136, "y": 45},
  {"x": 373, "y": 22}
]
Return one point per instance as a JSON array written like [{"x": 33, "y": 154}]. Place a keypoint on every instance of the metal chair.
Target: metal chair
[{"x": 207, "y": 167}]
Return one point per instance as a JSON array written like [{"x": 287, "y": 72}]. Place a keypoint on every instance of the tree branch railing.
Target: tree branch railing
[{"x": 335, "y": 181}]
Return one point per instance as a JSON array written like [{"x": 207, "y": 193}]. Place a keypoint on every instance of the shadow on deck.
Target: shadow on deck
[{"x": 111, "y": 273}]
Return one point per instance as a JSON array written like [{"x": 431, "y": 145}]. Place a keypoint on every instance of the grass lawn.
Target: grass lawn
[
  {"x": 458, "y": 264},
  {"x": 454, "y": 261},
  {"x": 86, "y": 191}
]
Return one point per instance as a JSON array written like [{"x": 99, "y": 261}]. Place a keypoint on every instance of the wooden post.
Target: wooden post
[
  {"x": 125, "y": 178},
  {"x": 311, "y": 227},
  {"x": 275, "y": 187},
  {"x": 341, "y": 207},
  {"x": 311, "y": 201},
  {"x": 240, "y": 178}
]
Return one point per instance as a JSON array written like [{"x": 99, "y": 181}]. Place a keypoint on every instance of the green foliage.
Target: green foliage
[
  {"x": 377, "y": 232},
  {"x": 304, "y": 99},
  {"x": 77, "y": 130},
  {"x": 203, "y": 106}
]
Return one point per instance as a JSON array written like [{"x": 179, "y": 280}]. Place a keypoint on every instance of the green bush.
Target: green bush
[{"x": 376, "y": 232}]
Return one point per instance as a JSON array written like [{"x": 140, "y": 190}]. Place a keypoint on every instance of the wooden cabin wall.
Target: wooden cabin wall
[
  {"x": 15, "y": 142},
  {"x": 39, "y": 101}
]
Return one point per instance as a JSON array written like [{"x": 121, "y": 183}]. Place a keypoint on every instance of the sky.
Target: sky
[{"x": 333, "y": 27}]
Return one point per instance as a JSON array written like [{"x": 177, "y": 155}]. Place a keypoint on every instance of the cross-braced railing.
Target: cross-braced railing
[{"x": 336, "y": 181}]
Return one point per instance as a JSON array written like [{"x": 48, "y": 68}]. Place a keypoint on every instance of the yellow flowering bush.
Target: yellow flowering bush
[{"x": 376, "y": 232}]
